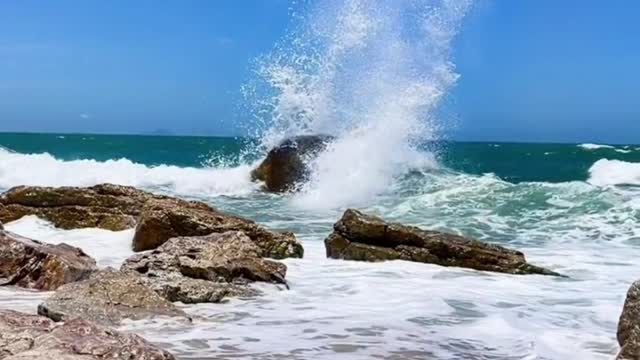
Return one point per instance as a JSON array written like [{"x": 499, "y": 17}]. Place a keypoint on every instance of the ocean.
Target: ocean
[
  {"x": 377, "y": 75},
  {"x": 574, "y": 208}
]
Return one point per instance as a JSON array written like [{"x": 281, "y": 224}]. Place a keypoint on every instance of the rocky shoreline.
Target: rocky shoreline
[{"x": 192, "y": 254}]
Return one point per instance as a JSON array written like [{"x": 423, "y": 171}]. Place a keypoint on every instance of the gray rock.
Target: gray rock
[
  {"x": 358, "y": 236},
  {"x": 207, "y": 268},
  {"x": 107, "y": 298},
  {"x": 34, "y": 265},
  {"x": 32, "y": 337}
]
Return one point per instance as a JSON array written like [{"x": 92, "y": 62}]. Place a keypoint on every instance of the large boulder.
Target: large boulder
[
  {"x": 358, "y": 236},
  {"x": 106, "y": 206},
  {"x": 165, "y": 219},
  {"x": 33, "y": 337},
  {"x": 629, "y": 325},
  {"x": 206, "y": 269},
  {"x": 107, "y": 298},
  {"x": 285, "y": 166},
  {"x": 156, "y": 218},
  {"x": 34, "y": 265}
]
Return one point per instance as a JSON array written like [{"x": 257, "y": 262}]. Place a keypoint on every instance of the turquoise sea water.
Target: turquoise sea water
[
  {"x": 514, "y": 162},
  {"x": 574, "y": 208}
]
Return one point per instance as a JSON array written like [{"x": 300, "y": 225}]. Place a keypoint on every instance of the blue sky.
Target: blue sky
[{"x": 532, "y": 70}]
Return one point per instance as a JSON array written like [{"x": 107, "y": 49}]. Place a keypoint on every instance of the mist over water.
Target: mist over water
[{"x": 371, "y": 73}]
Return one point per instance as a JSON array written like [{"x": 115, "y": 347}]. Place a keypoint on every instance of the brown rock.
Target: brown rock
[
  {"x": 31, "y": 264},
  {"x": 207, "y": 268},
  {"x": 107, "y": 298},
  {"x": 368, "y": 238},
  {"x": 105, "y": 206},
  {"x": 158, "y": 218},
  {"x": 285, "y": 166},
  {"x": 33, "y": 337},
  {"x": 629, "y": 325},
  {"x": 165, "y": 219}
]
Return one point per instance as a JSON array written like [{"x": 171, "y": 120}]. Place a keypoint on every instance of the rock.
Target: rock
[
  {"x": 34, "y": 265},
  {"x": 207, "y": 268},
  {"x": 367, "y": 238},
  {"x": 156, "y": 218},
  {"x": 33, "y": 337},
  {"x": 285, "y": 165},
  {"x": 162, "y": 220},
  {"x": 107, "y": 298},
  {"x": 629, "y": 325},
  {"x": 105, "y": 206}
]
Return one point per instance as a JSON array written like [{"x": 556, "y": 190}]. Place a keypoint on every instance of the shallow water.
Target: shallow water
[{"x": 403, "y": 310}]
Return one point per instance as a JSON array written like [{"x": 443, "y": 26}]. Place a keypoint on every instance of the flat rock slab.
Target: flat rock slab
[
  {"x": 33, "y": 337},
  {"x": 156, "y": 218},
  {"x": 358, "y": 236},
  {"x": 35, "y": 265},
  {"x": 107, "y": 298},
  {"x": 207, "y": 268}
]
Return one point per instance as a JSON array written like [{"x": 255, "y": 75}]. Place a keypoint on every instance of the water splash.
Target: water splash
[{"x": 370, "y": 72}]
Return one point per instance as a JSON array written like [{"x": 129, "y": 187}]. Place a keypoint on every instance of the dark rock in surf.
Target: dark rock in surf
[
  {"x": 285, "y": 165},
  {"x": 207, "y": 268},
  {"x": 368, "y": 238},
  {"x": 33, "y": 337},
  {"x": 34, "y": 265},
  {"x": 107, "y": 298},
  {"x": 156, "y": 218},
  {"x": 629, "y": 325}
]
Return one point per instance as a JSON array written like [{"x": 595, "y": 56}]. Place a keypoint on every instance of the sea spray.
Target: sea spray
[{"x": 371, "y": 73}]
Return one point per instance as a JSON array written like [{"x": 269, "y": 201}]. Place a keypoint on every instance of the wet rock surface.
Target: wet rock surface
[
  {"x": 106, "y": 206},
  {"x": 162, "y": 220},
  {"x": 107, "y": 298},
  {"x": 285, "y": 166},
  {"x": 207, "y": 268},
  {"x": 629, "y": 325},
  {"x": 358, "y": 236},
  {"x": 156, "y": 218},
  {"x": 33, "y": 337},
  {"x": 35, "y": 265}
]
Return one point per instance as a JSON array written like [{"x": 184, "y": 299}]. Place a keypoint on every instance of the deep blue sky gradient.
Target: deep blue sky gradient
[{"x": 532, "y": 70}]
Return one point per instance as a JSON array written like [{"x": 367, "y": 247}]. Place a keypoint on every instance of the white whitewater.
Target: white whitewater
[{"x": 371, "y": 73}]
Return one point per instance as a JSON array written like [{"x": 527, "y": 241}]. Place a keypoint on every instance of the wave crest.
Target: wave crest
[
  {"x": 606, "y": 172},
  {"x": 45, "y": 170}
]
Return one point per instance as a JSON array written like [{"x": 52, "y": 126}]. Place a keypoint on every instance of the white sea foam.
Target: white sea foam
[
  {"x": 353, "y": 310},
  {"x": 614, "y": 172},
  {"x": 44, "y": 169},
  {"x": 109, "y": 248},
  {"x": 589, "y": 146},
  {"x": 370, "y": 72}
]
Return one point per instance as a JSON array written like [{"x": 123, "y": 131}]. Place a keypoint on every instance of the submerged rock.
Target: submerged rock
[
  {"x": 207, "y": 268},
  {"x": 368, "y": 238},
  {"x": 107, "y": 298},
  {"x": 285, "y": 166},
  {"x": 156, "y": 218},
  {"x": 31, "y": 264},
  {"x": 33, "y": 337},
  {"x": 162, "y": 220},
  {"x": 629, "y": 325}
]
